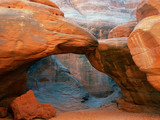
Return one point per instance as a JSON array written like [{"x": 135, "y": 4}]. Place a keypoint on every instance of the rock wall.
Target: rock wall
[
  {"x": 54, "y": 84},
  {"x": 99, "y": 16},
  {"x": 113, "y": 58},
  {"x": 96, "y": 83}
]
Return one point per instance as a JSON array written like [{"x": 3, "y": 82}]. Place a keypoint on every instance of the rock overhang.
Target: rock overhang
[{"x": 29, "y": 33}]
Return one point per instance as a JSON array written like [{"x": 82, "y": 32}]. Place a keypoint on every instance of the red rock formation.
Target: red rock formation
[
  {"x": 113, "y": 58},
  {"x": 144, "y": 46},
  {"x": 45, "y": 2},
  {"x": 3, "y": 112},
  {"x": 99, "y": 16},
  {"x": 26, "y": 107},
  {"x": 123, "y": 30},
  {"x": 147, "y": 8},
  {"x": 30, "y": 31},
  {"x": 130, "y": 107}
]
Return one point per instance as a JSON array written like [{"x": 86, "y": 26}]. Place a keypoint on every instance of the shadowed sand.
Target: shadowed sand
[{"x": 109, "y": 112}]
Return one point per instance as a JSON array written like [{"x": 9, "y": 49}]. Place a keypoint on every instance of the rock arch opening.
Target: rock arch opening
[{"x": 69, "y": 82}]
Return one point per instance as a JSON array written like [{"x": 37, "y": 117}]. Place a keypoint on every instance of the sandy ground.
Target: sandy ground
[{"x": 109, "y": 112}]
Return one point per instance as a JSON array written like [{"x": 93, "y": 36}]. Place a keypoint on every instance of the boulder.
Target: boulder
[
  {"x": 123, "y": 30},
  {"x": 113, "y": 58},
  {"x": 147, "y": 8},
  {"x": 30, "y": 31},
  {"x": 26, "y": 107},
  {"x": 144, "y": 46}
]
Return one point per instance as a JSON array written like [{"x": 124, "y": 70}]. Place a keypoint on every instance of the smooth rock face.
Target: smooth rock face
[
  {"x": 144, "y": 46},
  {"x": 123, "y": 30},
  {"x": 26, "y": 107},
  {"x": 113, "y": 58},
  {"x": 30, "y": 31},
  {"x": 96, "y": 83},
  {"x": 147, "y": 8},
  {"x": 45, "y": 2}
]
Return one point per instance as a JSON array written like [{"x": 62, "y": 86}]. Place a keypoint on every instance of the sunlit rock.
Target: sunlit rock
[
  {"x": 30, "y": 31},
  {"x": 144, "y": 46},
  {"x": 123, "y": 30},
  {"x": 147, "y": 8},
  {"x": 26, "y": 107},
  {"x": 113, "y": 58}
]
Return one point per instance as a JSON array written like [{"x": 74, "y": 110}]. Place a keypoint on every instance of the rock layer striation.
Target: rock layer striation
[
  {"x": 30, "y": 31},
  {"x": 144, "y": 46},
  {"x": 113, "y": 57}
]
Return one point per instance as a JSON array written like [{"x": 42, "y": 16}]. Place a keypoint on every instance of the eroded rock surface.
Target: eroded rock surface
[
  {"x": 144, "y": 46},
  {"x": 54, "y": 84},
  {"x": 99, "y": 16},
  {"x": 96, "y": 83},
  {"x": 26, "y": 107},
  {"x": 147, "y": 8},
  {"x": 30, "y": 31},
  {"x": 123, "y": 30},
  {"x": 113, "y": 58},
  {"x": 3, "y": 112}
]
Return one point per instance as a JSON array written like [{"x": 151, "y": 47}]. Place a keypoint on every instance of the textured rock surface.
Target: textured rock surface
[
  {"x": 113, "y": 58},
  {"x": 30, "y": 31},
  {"x": 147, "y": 8},
  {"x": 96, "y": 83},
  {"x": 123, "y": 30},
  {"x": 144, "y": 46},
  {"x": 3, "y": 112},
  {"x": 130, "y": 107},
  {"x": 134, "y": 108},
  {"x": 54, "y": 84},
  {"x": 99, "y": 16},
  {"x": 26, "y": 107}
]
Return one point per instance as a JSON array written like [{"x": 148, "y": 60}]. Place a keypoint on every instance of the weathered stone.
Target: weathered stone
[
  {"x": 147, "y": 8},
  {"x": 46, "y": 2},
  {"x": 30, "y": 31},
  {"x": 26, "y": 107},
  {"x": 113, "y": 58},
  {"x": 130, "y": 107},
  {"x": 144, "y": 46},
  {"x": 99, "y": 16},
  {"x": 123, "y": 30},
  {"x": 3, "y": 112},
  {"x": 96, "y": 83}
]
